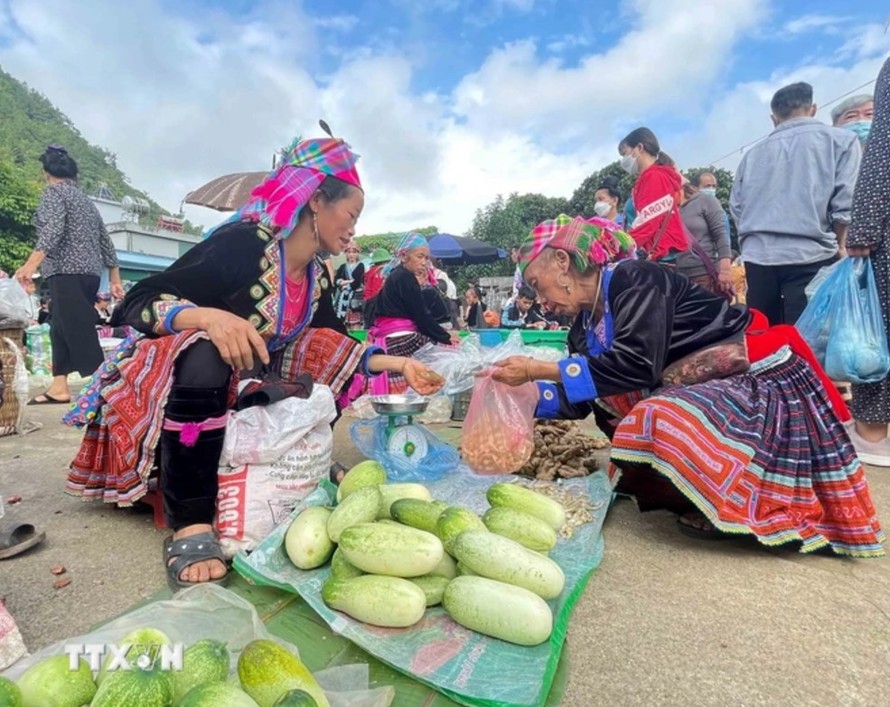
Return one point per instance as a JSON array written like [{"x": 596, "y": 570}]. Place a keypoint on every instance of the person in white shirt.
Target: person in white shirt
[{"x": 450, "y": 292}]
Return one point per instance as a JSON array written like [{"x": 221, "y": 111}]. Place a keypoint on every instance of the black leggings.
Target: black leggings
[{"x": 189, "y": 474}]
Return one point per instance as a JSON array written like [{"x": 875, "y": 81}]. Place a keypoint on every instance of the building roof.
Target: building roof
[{"x": 141, "y": 261}]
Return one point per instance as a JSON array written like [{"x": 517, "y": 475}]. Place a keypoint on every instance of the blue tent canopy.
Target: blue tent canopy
[{"x": 454, "y": 250}]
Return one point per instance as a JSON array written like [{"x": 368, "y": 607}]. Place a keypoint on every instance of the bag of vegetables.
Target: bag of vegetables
[{"x": 499, "y": 432}]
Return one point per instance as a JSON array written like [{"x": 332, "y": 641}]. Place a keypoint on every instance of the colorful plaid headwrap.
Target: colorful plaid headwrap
[
  {"x": 410, "y": 241},
  {"x": 302, "y": 167},
  {"x": 589, "y": 242}
]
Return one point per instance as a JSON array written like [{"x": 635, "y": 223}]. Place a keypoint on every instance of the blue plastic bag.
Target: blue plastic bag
[
  {"x": 857, "y": 349},
  {"x": 408, "y": 453},
  {"x": 814, "y": 324}
]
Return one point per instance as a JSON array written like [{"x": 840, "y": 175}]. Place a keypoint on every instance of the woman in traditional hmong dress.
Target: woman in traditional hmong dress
[
  {"x": 349, "y": 279},
  {"x": 404, "y": 312},
  {"x": 735, "y": 447},
  {"x": 254, "y": 291}
]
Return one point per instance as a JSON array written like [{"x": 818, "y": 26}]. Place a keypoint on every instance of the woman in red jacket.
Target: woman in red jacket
[{"x": 658, "y": 228}]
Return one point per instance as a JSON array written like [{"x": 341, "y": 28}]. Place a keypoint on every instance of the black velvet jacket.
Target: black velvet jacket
[
  {"x": 403, "y": 298},
  {"x": 237, "y": 269},
  {"x": 653, "y": 318}
]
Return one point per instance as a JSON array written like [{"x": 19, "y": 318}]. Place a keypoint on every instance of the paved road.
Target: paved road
[{"x": 665, "y": 620}]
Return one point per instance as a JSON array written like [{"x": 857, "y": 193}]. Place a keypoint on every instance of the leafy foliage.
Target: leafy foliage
[
  {"x": 19, "y": 197},
  {"x": 582, "y": 201},
  {"x": 31, "y": 122}
]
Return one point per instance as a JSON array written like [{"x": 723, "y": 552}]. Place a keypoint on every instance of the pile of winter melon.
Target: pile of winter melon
[
  {"x": 394, "y": 551},
  {"x": 268, "y": 676}
]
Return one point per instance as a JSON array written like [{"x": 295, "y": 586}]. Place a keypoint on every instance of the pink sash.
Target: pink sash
[{"x": 382, "y": 328}]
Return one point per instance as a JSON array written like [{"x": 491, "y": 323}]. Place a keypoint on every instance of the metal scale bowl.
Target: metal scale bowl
[{"x": 403, "y": 438}]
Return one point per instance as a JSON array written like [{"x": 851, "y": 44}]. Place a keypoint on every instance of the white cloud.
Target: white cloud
[
  {"x": 182, "y": 101},
  {"x": 816, "y": 22},
  {"x": 342, "y": 23}
]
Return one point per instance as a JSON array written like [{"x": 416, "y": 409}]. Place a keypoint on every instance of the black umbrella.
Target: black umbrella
[{"x": 454, "y": 250}]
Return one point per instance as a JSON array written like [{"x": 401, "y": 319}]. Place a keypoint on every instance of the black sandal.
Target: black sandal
[
  {"x": 187, "y": 551},
  {"x": 711, "y": 533}
]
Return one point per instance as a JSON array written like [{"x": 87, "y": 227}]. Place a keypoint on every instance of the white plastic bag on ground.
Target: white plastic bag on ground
[
  {"x": 273, "y": 457},
  {"x": 12, "y": 647},
  {"x": 210, "y": 611},
  {"x": 263, "y": 434}
]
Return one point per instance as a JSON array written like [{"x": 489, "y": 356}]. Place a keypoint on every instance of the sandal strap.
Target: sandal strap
[{"x": 186, "y": 552}]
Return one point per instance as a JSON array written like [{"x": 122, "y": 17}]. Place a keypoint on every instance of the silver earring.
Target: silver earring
[
  {"x": 566, "y": 285},
  {"x": 315, "y": 226}
]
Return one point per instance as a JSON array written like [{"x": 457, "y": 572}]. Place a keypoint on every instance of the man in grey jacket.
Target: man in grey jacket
[{"x": 791, "y": 202}]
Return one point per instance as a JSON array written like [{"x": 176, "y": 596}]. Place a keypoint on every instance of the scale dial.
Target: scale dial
[{"x": 408, "y": 442}]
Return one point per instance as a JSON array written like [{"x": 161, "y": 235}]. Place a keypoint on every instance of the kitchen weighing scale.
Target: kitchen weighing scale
[{"x": 404, "y": 439}]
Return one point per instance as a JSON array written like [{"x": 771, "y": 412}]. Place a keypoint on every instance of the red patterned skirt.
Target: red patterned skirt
[
  {"x": 762, "y": 453},
  {"x": 123, "y": 405}
]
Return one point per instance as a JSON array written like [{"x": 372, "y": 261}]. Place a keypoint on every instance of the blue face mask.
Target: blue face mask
[
  {"x": 709, "y": 190},
  {"x": 861, "y": 127}
]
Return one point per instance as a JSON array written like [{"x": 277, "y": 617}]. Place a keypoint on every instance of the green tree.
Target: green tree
[
  {"x": 19, "y": 197},
  {"x": 505, "y": 223},
  {"x": 30, "y": 122},
  {"x": 582, "y": 201},
  {"x": 724, "y": 187}
]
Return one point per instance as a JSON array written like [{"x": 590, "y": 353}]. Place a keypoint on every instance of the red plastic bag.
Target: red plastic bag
[{"x": 499, "y": 432}]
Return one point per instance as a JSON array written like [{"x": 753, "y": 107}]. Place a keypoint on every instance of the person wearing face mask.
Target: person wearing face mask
[
  {"x": 791, "y": 201},
  {"x": 606, "y": 206},
  {"x": 705, "y": 220},
  {"x": 658, "y": 228},
  {"x": 855, "y": 114},
  {"x": 403, "y": 321}
]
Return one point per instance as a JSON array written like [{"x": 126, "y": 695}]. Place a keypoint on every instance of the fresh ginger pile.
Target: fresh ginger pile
[{"x": 562, "y": 450}]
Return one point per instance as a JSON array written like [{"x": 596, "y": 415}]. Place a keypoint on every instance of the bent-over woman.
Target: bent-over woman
[{"x": 708, "y": 416}]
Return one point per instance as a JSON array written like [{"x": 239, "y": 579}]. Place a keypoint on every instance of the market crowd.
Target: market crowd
[{"x": 715, "y": 406}]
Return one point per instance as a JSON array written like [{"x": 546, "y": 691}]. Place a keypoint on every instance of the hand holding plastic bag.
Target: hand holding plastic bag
[
  {"x": 499, "y": 432},
  {"x": 461, "y": 364},
  {"x": 857, "y": 349}
]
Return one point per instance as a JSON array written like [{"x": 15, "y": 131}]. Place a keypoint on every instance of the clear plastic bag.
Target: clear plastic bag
[
  {"x": 210, "y": 611},
  {"x": 15, "y": 305},
  {"x": 39, "y": 357},
  {"x": 499, "y": 432},
  {"x": 460, "y": 365},
  {"x": 857, "y": 349},
  {"x": 410, "y": 454}
]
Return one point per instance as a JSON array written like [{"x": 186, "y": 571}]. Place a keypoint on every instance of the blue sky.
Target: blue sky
[{"x": 449, "y": 102}]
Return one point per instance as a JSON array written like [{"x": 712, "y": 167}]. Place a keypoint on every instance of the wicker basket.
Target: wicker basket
[{"x": 11, "y": 412}]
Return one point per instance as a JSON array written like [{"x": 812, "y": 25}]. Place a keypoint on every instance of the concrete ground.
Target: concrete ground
[{"x": 665, "y": 620}]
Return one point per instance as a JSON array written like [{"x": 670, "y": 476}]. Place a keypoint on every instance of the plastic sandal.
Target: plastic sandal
[
  {"x": 691, "y": 531},
  {"x": 187, "y": 551},
  {"x": 17, "y": 538}
]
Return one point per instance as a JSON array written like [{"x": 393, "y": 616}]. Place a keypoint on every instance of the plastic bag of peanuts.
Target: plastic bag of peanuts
[{"x": 499, "y": 431}]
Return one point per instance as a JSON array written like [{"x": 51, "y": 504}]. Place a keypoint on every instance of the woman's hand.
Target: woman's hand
[
  {"x": 117, "y": 291},
  {"x": 235, "y": 338},
  {"x": 724, "y": 282},
  {"x": 421, "y": 377},
  {"x": 25, "y": 274},
  {"x": 514, "y": 370},
  {"x": 857, "y": 251}
]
